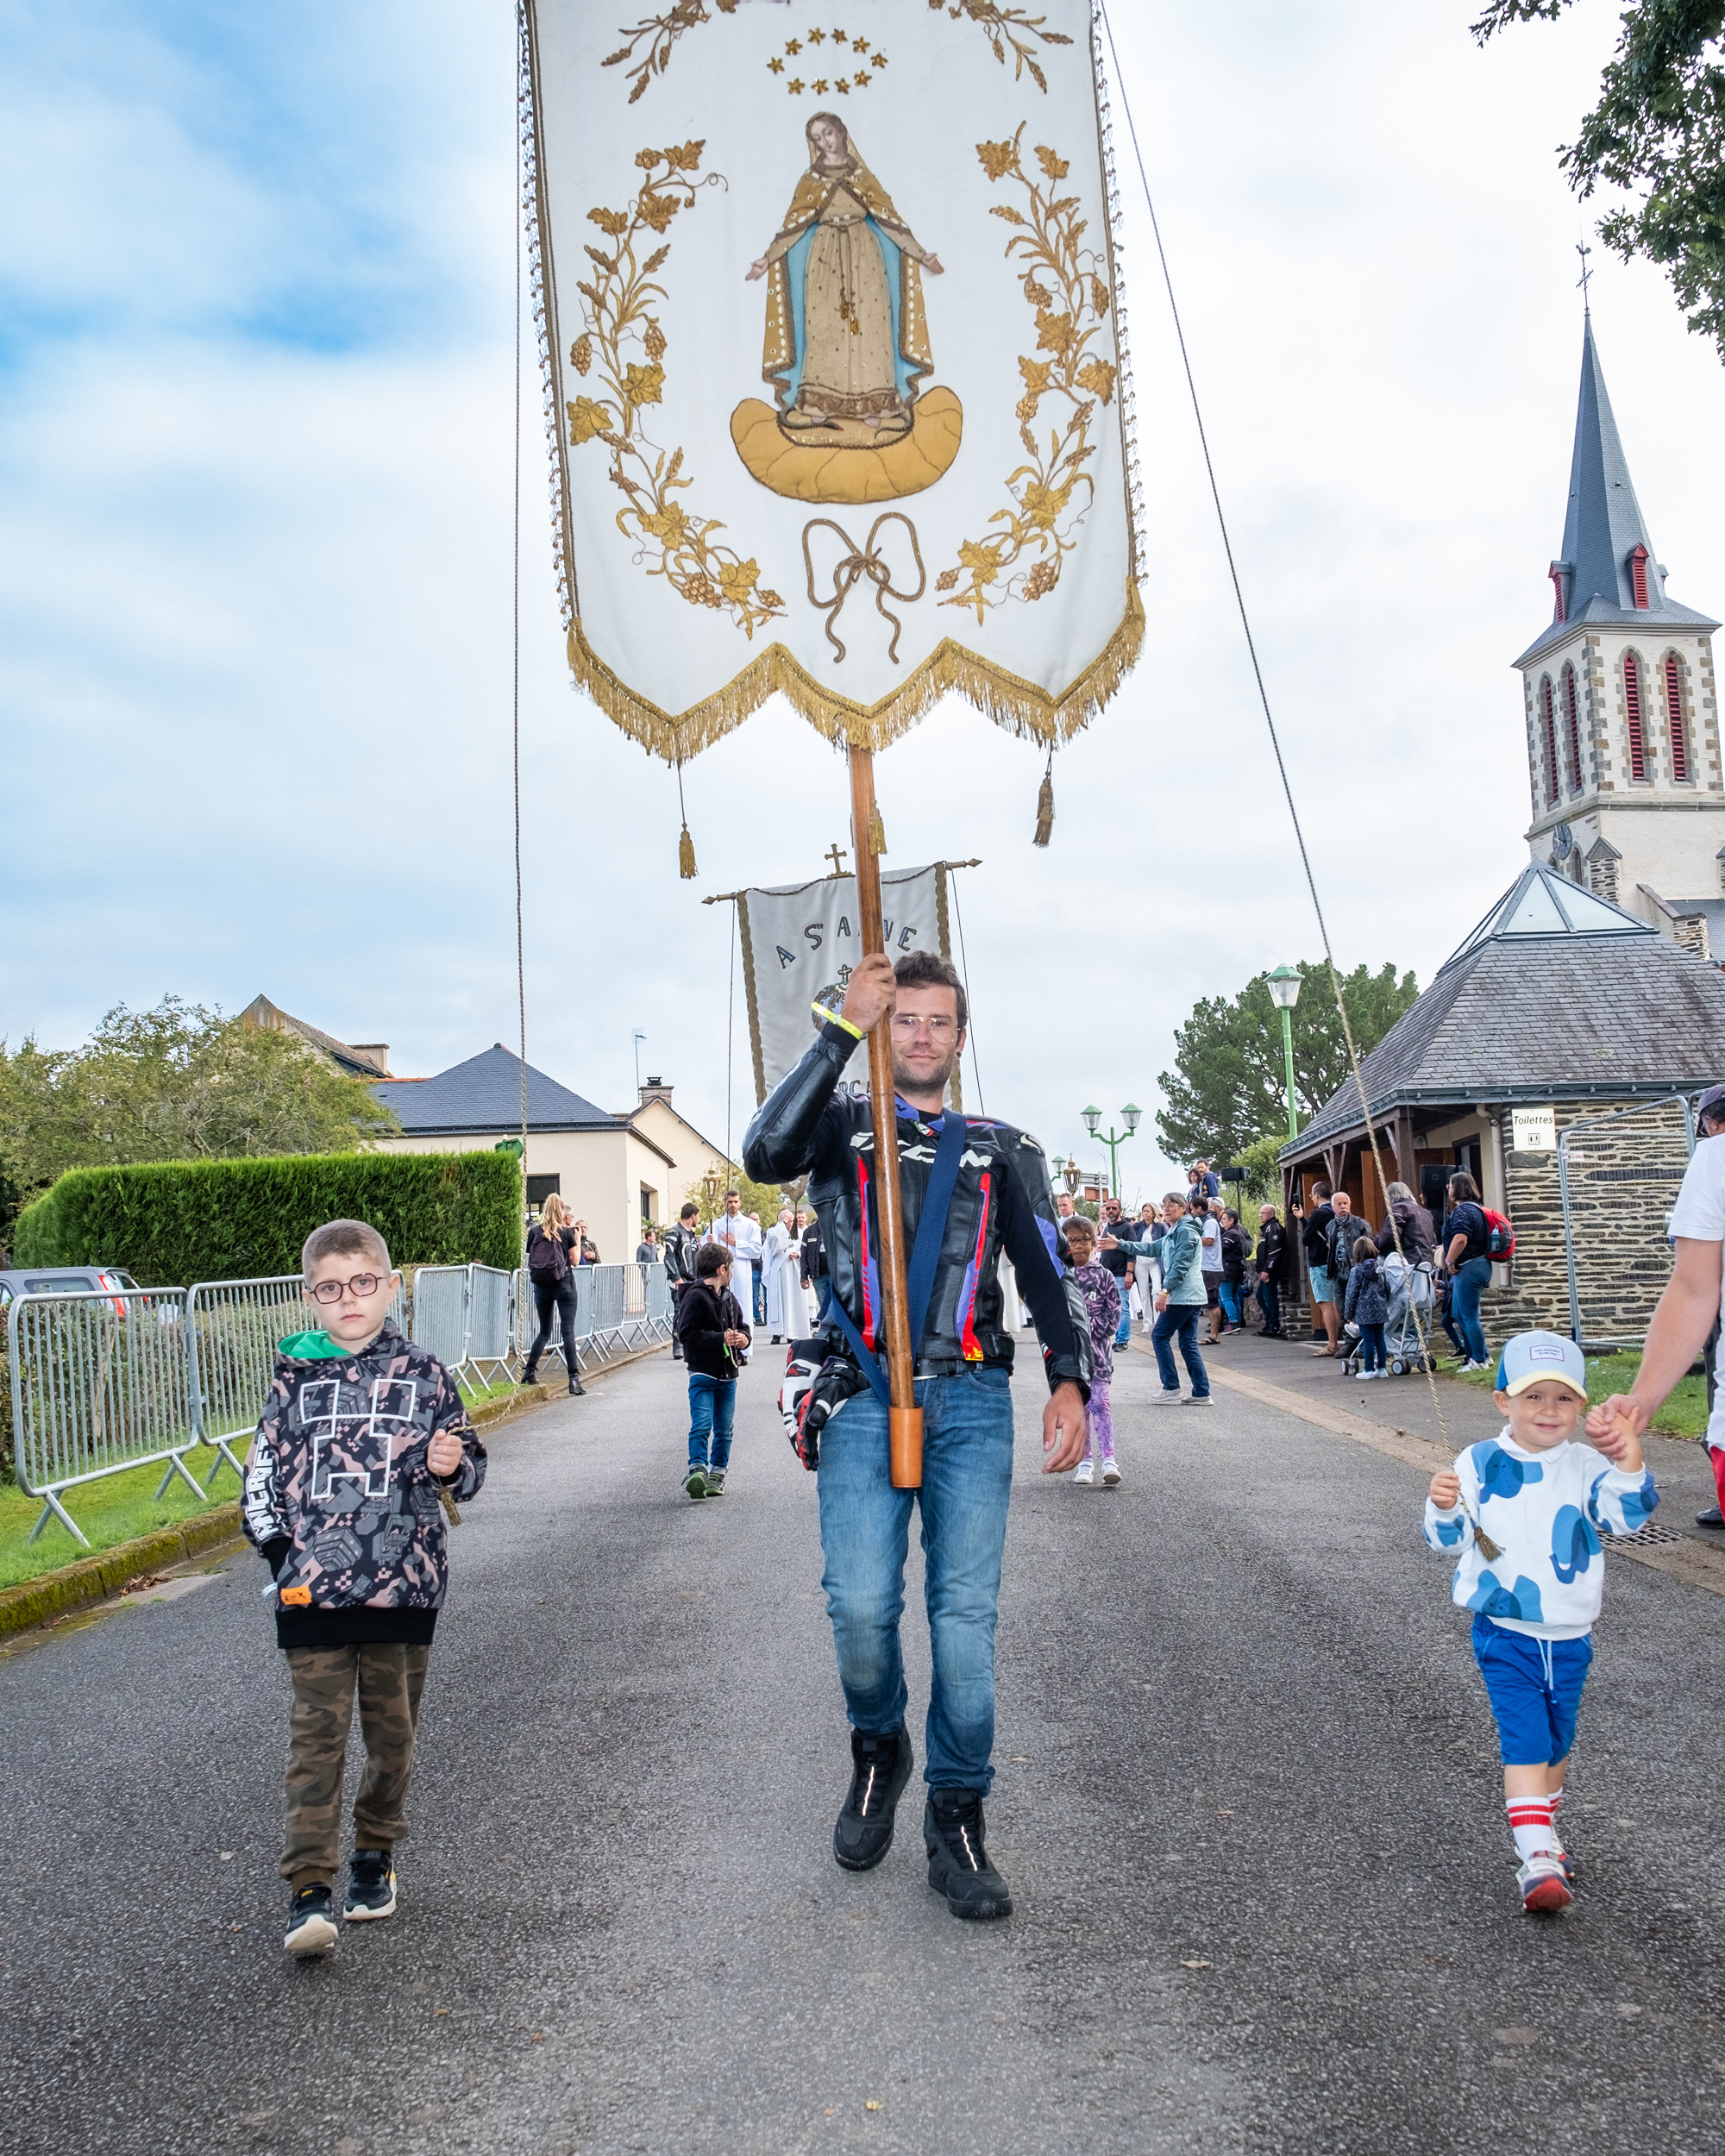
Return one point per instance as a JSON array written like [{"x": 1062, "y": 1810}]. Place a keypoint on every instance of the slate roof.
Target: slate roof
[
  {"x": 484, "y": 1094},
  {"x": 1604, "y": 525},
  {"x": 1556, "y": 996}
]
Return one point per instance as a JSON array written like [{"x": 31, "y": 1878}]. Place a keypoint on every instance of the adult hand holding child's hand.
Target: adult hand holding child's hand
[
  {"x": 1615, "y": 1428},
  {"x": 443, "y": 1454},
  {"x": 1445, "y": 1491}
]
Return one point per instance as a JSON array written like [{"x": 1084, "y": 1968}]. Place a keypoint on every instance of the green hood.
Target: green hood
[{"x": 311, "y": 1347}]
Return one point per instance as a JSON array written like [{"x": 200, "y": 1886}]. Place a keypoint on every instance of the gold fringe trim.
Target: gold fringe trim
[
  {"x": 1018, "y": 706},
  {"x": 877, "y": 833},
  {"x": 1045, "y": 805}
]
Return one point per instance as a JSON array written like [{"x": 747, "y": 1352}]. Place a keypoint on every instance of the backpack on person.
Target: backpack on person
[
  {"x": 547, "y": 1259},
  {"x": 1500, "y": 1237}
]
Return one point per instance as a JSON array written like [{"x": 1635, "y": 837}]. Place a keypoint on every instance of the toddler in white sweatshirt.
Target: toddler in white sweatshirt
[{"x": 1524, "y": 1514}]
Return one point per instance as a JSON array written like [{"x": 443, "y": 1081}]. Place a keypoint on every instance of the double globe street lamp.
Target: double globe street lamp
[{"x": 1112, "y": 1139}]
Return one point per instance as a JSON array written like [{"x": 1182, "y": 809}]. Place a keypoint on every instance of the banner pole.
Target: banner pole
[{"x": 904, "y": 1417}]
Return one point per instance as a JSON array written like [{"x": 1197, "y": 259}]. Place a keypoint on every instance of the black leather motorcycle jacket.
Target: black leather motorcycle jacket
[{"x": 1002, "y": 1203}]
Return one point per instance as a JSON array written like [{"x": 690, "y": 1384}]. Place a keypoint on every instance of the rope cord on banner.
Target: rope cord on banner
[
  {"x": 1269, "y": 724},
  {"x": 515, "y": 726}
]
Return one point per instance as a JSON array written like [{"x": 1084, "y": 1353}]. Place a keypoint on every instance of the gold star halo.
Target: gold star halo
[{"x": 862, "y": 51}]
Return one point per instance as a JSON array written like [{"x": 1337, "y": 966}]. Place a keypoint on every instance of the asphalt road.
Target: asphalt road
[{"x": 1248, "y": 1804}]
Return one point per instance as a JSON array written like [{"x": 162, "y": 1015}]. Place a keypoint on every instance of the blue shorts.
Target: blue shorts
[
  {"x": 1323, "y": 1287},
  {"x": 1534, "y": 1687}
]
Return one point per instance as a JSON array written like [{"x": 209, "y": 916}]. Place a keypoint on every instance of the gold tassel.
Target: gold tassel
[
  {"x": 877, "y": 831},
  {"x": 685, "y": 856},
  {"x": 1045, "y": 805}
]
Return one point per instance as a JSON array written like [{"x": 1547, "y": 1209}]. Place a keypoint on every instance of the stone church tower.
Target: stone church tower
[{"x": 1622, "y": 719}]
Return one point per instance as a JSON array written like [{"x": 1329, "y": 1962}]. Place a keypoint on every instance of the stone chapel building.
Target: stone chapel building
[{"x": 1590, "y": 994}]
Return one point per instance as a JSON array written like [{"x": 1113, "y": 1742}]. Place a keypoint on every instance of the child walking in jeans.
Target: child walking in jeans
[
  {"x": 1101, "y": 1294},
  {"x": 1368, "y": 1305},
  {"x": 711, "y": 1328}
]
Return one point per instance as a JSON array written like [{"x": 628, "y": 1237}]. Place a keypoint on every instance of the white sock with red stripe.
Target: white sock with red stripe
[
  {"x": 1555, "y": 1799},
  {"x": 1530, "y": 1822}
]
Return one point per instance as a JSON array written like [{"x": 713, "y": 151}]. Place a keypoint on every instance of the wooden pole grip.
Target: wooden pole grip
[{"x": 905, "y": 1419}]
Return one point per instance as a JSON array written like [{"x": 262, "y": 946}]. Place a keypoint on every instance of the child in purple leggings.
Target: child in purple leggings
[{"x": 1101, "y": 1294}]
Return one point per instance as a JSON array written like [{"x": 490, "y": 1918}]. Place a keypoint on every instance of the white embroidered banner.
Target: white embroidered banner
[
  {"x": 800, "y": 945},
  {"x": 839, "y": 407}
]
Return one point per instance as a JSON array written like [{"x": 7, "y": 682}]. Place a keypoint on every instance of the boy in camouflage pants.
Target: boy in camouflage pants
[{"x": 363, "y": 1440}]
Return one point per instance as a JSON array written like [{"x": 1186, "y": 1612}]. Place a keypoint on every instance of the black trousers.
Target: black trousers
[{"x": 557, "y": 1296}]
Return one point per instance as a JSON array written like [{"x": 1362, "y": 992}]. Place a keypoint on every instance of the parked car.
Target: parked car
[{"x": 61, "y": 1280}]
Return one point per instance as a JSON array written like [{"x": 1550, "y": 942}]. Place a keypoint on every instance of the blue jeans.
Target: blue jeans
[
  {"x": 1123, "y": 1332},
  {"x": 1230, "y": 1292},
  {"x": 1371, "y": 1347},
  {"x": 1269, "y": 1301},
  {"x": 1469, "y": 1281},
  {"x": 967, "y": 1480},
  {"x": 712, "y": 1408},
  {"x": 1180, "y": 1322},
  {"x": 759, "y": 1275}
]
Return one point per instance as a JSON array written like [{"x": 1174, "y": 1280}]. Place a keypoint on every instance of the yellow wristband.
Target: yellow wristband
[{"x": 829, "y": 1016}]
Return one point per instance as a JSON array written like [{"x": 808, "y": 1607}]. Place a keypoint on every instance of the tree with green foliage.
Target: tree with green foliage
[
  {"x": 177, "y": 1083},
  {"x": 1228, "y": 1085},
  {"x": 1659, "y": 132}
]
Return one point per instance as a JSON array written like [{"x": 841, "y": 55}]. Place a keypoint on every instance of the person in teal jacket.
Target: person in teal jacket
[{"x": 1183, "y": 1301}]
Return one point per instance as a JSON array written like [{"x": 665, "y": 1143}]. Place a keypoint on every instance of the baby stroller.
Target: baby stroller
[{"x": 1412, "y": 1292}]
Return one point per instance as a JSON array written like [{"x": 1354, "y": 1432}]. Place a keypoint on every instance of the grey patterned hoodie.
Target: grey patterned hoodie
[{"x": 339, "y": 1497}]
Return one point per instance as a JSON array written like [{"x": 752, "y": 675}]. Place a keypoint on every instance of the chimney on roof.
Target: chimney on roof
[
  {"x": 656, "y": 1089},
  {"x": 377, "y": 1051}
]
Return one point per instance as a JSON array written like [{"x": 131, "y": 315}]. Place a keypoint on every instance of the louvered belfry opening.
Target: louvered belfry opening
[
  {"x": 1638, "y": 577},
  {"x": 1679, "y": 744},
  {"x": 1551, "y": 740},
  {"x": 1573, "y": 717},
  {"x": 1632, "y": 713}
]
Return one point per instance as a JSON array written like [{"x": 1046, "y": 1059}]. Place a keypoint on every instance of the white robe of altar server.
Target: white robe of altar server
[
  {"x": 742, "y": 1238},
  {"x": 787, "y": 1311}
]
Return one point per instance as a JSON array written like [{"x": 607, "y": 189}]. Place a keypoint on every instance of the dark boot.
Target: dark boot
[
  {"x": 881, "y": 1766},
  {"x": 530, "y": 1374},
  {"x": 577, "y": 1390},
  {"x": 958, "y": 1864}
]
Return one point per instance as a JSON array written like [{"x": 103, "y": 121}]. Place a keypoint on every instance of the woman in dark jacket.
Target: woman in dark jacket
[
  {"x": 1236, "y": 1257},
  {"x": 1410, "y": 1219},
  {"x": 1469, "y": 1267},
  {"x": 550, "y": 1242}
]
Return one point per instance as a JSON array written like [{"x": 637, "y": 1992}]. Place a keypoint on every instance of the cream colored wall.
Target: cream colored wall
[
  {"x": 690, "y": 1151},
  {"x": 594, "y": 1168}
]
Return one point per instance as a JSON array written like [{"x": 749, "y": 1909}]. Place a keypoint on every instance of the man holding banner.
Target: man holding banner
[{"x": 969, "y": 1190}]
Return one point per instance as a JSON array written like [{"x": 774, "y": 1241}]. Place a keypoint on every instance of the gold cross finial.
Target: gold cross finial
[{"x": 835, "y": 853}]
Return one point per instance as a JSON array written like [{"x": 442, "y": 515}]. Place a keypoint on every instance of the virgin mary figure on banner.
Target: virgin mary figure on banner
[{"x": 847, "y": 342}]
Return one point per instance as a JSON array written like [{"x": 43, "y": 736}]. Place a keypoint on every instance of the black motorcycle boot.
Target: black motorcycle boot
[
  {"x": 881, "y": 1766},
  {"x": 958, "y": 1864}
]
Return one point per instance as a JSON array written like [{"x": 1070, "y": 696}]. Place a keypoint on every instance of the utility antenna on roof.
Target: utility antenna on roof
[{"x": 1583, "y": 250}]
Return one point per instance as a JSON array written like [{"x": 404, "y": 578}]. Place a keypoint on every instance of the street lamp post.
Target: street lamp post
[
  {"x": 1113, "y": 1139},
  {"x": 1284, "y": 992}
]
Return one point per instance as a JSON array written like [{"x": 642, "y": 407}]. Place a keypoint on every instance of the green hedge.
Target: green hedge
[{"x": 234, "y": 1219}]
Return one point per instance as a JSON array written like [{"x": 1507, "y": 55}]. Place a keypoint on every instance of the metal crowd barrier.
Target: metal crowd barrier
[
  {"x": 98, "y": 1385},
  {"x": 490, "y": 1321},
  {"x": 440, "y": 1311},
  {"x": 232, "y": 1330},
  {"x": 619, "y": 1308}
]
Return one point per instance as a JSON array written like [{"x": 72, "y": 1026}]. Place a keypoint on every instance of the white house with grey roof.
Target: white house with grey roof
[{"x": 1622, "y": 719}]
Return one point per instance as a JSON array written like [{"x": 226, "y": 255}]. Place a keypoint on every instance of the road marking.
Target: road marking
[{"x": 1695, "y": 1564}]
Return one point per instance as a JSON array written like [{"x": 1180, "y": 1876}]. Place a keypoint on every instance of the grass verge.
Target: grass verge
[
  {"x": 118, "y": 1508},
  {"x": 1684, "y": 1415}
]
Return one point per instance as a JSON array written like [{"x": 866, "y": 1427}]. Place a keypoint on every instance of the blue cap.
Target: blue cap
[{"x": 1531, "y": 1358}]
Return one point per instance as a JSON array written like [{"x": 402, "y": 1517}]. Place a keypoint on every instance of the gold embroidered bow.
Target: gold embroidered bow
[{"x": 857, "y": 563}]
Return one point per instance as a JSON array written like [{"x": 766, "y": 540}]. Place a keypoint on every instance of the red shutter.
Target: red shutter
[
  {"x": 1631, "y": 708},
  {"x": 1574, "y": 730},
  {"x": 1638, "y": 575},
  {"x": 1551, "y": 742},
  {"x": 1674, "y": 712}
]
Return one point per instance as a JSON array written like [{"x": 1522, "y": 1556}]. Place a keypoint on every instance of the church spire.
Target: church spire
[{"x": 1607, "y": 572}]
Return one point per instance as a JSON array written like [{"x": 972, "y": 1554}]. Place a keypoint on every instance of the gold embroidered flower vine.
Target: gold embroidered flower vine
[
  {"x": 1005, "y": 27},
  {"x": 662, "y": 33},
  {"x": 673, "y": 542},
  {"x": 1051, "y": 496}
]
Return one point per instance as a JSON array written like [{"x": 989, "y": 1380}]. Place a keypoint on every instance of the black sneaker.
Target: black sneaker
[
  {"x": 881, "y": 1766},
  {"x": 310, "y": 1921},
  {"x": 371, "y": 1886},
  {"x": 958, "y": 1864}
]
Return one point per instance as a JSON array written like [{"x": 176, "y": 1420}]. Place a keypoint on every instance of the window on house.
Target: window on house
[
  {"x": 1679, "y": 740},
  {"x": 1632, "y": 713},
  {"x": 649, "y": 1203},
  {"x": 1638, "y": 576},
  {"x": 540, "y": 1188},
  {"x": 1549, "y": 728},
  {"x": 1572, "y": 720}
]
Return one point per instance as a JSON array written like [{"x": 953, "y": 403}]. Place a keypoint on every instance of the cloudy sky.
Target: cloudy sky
[{"x": 256, "y": 402}]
